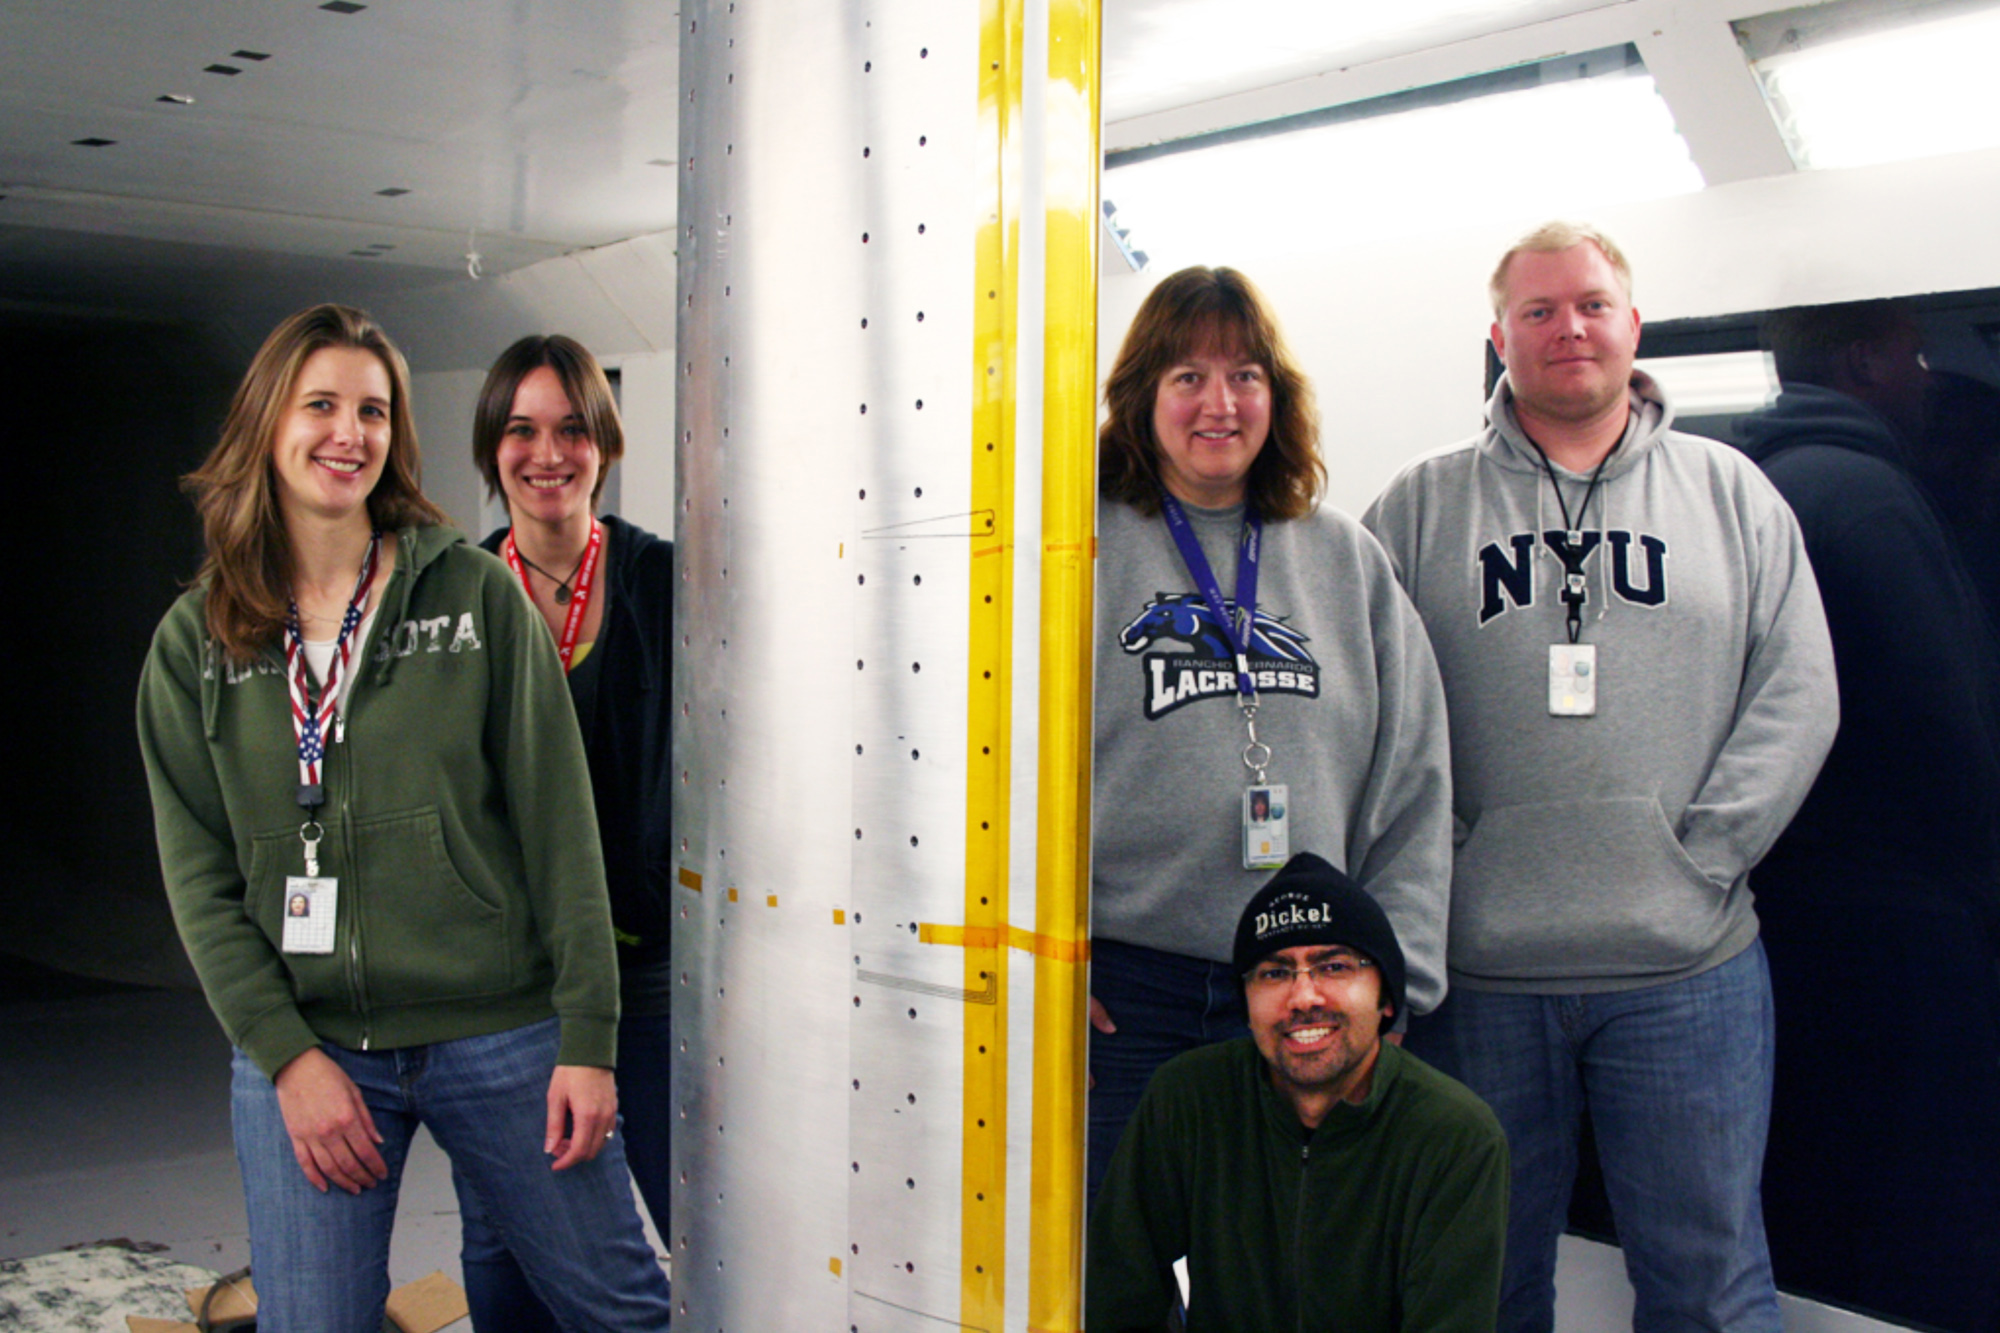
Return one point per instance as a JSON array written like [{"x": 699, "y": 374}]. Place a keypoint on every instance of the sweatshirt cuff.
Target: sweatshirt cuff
[
  {"x": 276, "y": 1040},
  {"x": 589, "y": 1039}
]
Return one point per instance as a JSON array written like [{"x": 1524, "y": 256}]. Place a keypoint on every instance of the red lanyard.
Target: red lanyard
[
  {"x": 579, "y": 598},
  {"x": 309, "y": 723}
]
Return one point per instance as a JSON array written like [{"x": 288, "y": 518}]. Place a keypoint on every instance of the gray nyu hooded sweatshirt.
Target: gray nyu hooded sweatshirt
[{"x": 1613, "y": 851}]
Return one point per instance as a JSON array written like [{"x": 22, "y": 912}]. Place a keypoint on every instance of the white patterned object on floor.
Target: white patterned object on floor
[{"x": 92, "y": 1290}]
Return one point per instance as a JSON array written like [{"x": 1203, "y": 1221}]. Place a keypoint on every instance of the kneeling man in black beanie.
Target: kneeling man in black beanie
[{"x": 1312, "y": 1175}]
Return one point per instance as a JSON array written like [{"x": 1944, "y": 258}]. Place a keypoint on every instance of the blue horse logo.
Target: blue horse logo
[{"x": 1185, "y": 617}]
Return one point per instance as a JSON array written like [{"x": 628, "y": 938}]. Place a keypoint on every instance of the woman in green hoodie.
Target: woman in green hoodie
[{"x": 353, "y": 707}]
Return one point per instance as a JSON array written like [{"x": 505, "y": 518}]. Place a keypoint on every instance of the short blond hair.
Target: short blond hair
[{"x": 1551, "y": 238}]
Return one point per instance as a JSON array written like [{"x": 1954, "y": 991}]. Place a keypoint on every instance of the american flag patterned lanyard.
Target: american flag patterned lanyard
[{"x": 310, "y": 723}]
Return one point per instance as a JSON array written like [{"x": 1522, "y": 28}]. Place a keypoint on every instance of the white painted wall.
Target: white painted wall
[
  {"x": 1392, "y": 335},
  {"x": 443, "y": 401},
  {"x": 646, "y": 476}
]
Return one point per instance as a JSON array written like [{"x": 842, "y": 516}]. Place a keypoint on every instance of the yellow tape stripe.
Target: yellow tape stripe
[
  {"x": 989, "y": 937},
  {"x": 1069, "y": 544},
  {"x": 989, "y": 682}
]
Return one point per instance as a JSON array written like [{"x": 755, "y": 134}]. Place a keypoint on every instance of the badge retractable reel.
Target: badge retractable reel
[
  {"x": 1265, "y": 819},
  {"x": 312, "y": 899}
]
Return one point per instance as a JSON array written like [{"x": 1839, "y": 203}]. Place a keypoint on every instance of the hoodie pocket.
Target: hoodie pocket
[
  {"x": 1570, "y": 889},
  {"x": 426, "y": 933}
]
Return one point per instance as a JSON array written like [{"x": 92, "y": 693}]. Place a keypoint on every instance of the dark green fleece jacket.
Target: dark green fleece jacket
[
  {"x": 1389, "y": 1217},
  {"x": 458, "y": 822}
]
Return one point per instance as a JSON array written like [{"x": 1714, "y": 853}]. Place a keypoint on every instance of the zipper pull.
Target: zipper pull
[{"x": 340, "y": 726}]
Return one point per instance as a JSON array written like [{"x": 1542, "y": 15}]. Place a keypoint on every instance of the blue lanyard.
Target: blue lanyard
[{"x": 1248, "y": 547}]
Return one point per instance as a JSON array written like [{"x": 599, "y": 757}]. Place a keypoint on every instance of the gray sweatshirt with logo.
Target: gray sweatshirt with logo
[
  {"x": 1349, "y": 702},
  {"x": 1613, "y": 851}
]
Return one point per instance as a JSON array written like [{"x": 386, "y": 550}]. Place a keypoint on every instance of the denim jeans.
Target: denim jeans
[
  {"x": 500, "y": 1296},
  {"x": 322, "y": 1260},
  {"x": 1678, "y": 1081},
  {"x": 1163, "y": 1004}
]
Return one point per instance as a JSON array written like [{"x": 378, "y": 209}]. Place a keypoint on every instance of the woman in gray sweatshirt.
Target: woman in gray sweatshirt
[{"x": 1235, "y": 614}]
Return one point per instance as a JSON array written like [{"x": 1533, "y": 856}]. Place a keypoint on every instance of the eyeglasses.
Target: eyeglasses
[{"x": 1326, "y": 972}]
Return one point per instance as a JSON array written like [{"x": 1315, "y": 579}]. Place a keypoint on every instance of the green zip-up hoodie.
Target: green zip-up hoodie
[
  {"x": 458, "y": 823},
  {"x": 1388, "y": 1218}
]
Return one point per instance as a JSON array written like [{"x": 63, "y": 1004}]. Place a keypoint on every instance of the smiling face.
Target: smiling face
[
  {"x": 333, "y": 435},
  {"x": 1211, "y": 416},
  {"x": 547, "y": 462},
  {"x": 1567, "y": 333},
  {"x": 1320, "y": 1038}
]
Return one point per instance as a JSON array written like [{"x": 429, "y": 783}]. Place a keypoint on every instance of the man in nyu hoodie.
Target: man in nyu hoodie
[{"x": 1640, "y": 691}]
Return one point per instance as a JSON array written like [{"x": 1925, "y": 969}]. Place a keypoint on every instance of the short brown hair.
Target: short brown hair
[
  {"x": 583, "y": 382},
  {"x": 1191, "y": 310},
  {"x": 248, "y": 566},
  {"x": 1553, "y": 238}
]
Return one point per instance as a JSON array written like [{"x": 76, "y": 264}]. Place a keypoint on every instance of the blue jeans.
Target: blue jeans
[
  {"x": 322, "y": 1260},
  {"x": 1678, "y": 1082},
  {"x": 1163, "y": 1004},
  {"x": 501, "y": 1298}
]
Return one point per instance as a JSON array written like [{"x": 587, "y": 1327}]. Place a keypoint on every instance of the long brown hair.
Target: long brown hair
[
  {"x": 1190, "y": 312},
  {"x": 584, "y": 384},
  {"x": 248, "y": 568}
]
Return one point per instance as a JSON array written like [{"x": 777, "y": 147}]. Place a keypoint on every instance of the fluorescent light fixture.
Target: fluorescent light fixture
[
  {"x": 1557, "y": 149},
  {"x": 1714, "y": 383},
  {"x": 1848, "y": 95},
  {"x": 1169, "y": 53}
]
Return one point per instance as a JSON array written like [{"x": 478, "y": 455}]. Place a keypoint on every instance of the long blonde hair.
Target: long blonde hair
[{"x": 248, "y": 567}]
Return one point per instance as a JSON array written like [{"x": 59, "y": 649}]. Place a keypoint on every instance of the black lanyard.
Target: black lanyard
[{"x": 1575, "y": 545}]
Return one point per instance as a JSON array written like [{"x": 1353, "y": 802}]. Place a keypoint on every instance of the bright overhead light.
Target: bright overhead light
[
  {"x": 1169, "y": 53},
  {"x": 1560, "y": 149},
  {"x": 1715, "y": 383},
  {"x": 1886, "y": 95}
]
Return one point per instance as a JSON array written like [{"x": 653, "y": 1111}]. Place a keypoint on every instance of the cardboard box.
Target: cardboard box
[{"x": 423, "y": 1306}]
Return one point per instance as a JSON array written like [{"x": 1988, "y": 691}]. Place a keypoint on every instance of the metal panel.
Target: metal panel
[{"x": 862, "y": 1025}]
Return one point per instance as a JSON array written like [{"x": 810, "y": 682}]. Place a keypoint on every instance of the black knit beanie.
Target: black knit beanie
[{"x": 1309, "y": 902}]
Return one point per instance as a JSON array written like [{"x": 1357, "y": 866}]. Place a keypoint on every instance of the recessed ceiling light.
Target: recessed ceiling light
[
  {"x": 342, "y": 7},
  {"x": 177, "y": 99},
  {"x": 365, "y": 254},
  {"x": 1851, "y": 85},
  {"x": 660, "y": 162},
  {"x": 380, "y": 245},
  {"x": 220, "y": 69},
  {"x": 1402, "y": 167},
  {"x": 250, "y": 55},
  {"x": 392, "y": 192},
  {"x": 93, "y": 143}
]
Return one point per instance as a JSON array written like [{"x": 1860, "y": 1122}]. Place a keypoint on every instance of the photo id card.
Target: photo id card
[
  {"x": 1572, "y": 679},
  {"x": 1266, "y": 834},
  {"x": 309, "y": 909}
]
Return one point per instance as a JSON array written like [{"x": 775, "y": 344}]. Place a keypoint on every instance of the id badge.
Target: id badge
[
  {"x": 1266, "y": 831},
  {"x": 1572, "y": 679},
  {"x": 309, "y": 909}
]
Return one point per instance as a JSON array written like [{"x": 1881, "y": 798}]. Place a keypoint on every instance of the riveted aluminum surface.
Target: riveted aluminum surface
[{"x": 833, "y": 190}]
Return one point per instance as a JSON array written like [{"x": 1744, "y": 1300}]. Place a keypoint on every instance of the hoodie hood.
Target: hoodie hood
[
  {"x": 1808, "y": 414},
  {"x": 417, "y": 549},
  {"x": 1508, "y": 445}
]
